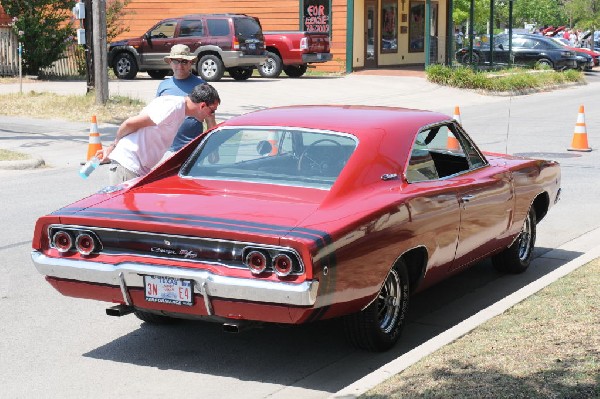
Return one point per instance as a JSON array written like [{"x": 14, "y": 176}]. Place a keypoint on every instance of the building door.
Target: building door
[{"x": 371, "y": 34}]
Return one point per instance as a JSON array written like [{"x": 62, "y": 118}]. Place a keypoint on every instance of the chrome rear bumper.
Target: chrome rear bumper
[{"x": 205, "y": 283}]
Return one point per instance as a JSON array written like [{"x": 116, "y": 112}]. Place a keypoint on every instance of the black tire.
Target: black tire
[
  {"x": 544, "y": 63},
  {"x": 158, "y": 74},
  {"x": 272, "y": 67},
  {"x": 516, "y": 258},
  {"x": 211, "y": 68},
  {"x": 378, "y": 326},
  {"x": 240, "y": 73},
  {"x": 125, "y": 66},
  {"x": 466, "y": 59},
  {"x": 153, "y": 318},
  {"x": 295, "y": 71}
]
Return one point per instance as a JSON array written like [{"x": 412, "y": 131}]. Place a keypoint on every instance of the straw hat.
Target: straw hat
[{"x": 180, "y": 52}]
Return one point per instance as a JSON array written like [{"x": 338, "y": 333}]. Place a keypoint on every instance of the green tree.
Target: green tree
[
  {"x": 44, "y": 29},
  {"x": 115, "y": 10}
]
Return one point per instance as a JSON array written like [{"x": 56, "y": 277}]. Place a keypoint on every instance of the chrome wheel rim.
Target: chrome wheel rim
[
  {"x": 525, "y": 240},
  {"x": 388, "y": 302},
  {"x": 209, "y": 68},
  {"x": 123, "y": 66}
]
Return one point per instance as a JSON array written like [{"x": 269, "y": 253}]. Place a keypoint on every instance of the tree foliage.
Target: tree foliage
[
  {"x": 44, "y": 29},
  {"x": 115, "y": 10}
]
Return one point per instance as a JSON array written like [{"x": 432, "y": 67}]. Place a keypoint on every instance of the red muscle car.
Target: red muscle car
[{"x": 297, "y": 214}]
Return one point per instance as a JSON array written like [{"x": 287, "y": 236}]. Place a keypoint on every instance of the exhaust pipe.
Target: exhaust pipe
[
  {"x": 236, "y": 327},
  {"x": 120, "y": 310}
]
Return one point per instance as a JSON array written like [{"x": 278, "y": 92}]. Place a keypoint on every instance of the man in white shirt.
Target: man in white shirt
[{"x": 142, "y": 140}]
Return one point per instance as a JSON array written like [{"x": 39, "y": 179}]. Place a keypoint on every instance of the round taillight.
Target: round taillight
[
  {"x": 62, "y": 241},
  {"x": 85, "y": 244},
  {"x": 282, "y": 264},
  {"x": 256, "y": 262}
]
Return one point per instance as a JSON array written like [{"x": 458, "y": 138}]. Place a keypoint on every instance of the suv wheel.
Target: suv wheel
[
  {"x": 211, "y": 68},
  {"x": 544, "y": 63},
  {"x": 272, "y": 67},
  {"x": 240, "y": 73},
  {"x": 125, "y": 66},
  {"x": 157, "y": 73},
  {"x": 295, "y": 71}
]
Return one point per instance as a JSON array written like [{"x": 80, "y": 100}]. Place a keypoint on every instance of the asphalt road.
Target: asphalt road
[{"x": 53, "y": 346}]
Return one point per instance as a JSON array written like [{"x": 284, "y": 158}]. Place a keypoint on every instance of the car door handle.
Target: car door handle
[{"x": 467, "y": 198}]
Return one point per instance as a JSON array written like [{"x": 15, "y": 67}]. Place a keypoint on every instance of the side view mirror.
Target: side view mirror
[
  {"x": 500, "y": 46},
  {"x": 264, "y": 147}
]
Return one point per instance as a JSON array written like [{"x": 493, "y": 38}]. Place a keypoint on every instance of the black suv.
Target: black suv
[
  {"x": 527, "y": 49},
  {"x": 222, "y": 42}
]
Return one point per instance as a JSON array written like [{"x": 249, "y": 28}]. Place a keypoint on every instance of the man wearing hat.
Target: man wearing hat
[{"x": 181, "y": 84}]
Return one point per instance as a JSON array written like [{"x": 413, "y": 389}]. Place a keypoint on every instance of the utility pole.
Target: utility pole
[
  {"x": 88, "y": 24},
  {"x": 100, "y": 56}
]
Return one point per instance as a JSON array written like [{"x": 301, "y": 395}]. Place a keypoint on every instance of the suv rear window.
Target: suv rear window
[
  {"x": 246, "y": 27},
  {"x": 218, "y": 27}
]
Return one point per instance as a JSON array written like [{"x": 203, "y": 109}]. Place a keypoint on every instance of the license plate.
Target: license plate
[
  {"x": 252, "y": 46},
  {"x": 169, "y": 290}
]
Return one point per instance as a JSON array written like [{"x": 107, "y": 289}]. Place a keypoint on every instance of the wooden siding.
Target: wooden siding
[{"x": 273, "y": 15}]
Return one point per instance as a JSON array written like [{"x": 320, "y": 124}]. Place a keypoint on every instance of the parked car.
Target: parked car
[
  {"x": 292, "y": 51},
  {"x": 527, "y": 50},
  {"x": 296, "y": 214},
  {"x": 222, "y": 42},
  {"x": 589, "y": 54}
]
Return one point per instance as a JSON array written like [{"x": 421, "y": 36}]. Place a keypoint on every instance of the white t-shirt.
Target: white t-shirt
[{"x": 141, "y": 150}]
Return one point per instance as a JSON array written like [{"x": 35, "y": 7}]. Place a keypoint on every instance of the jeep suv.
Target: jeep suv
[{"x": 222, "y": 42}]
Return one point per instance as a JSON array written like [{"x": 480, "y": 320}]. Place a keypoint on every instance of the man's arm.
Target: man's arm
[{"x": 130, "y": 125}]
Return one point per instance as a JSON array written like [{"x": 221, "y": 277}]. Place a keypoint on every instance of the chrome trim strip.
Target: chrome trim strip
[
  {"x": 204, "y": 291},
  {"x": 123, "y": 286},
  {"x": 278, "y": 292}
]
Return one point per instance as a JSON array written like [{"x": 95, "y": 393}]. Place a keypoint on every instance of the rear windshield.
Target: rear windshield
[
  {"x": 272, "y": 155},
  {"x": 247, "y": 27}
]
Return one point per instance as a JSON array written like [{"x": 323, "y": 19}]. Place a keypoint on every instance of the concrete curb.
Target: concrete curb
[
  {"x": 401, "y": 363},
  {"x": 32, "y": 163}
]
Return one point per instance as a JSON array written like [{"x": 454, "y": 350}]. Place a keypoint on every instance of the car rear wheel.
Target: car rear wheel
[
  {"x": 125, "y": 66},
  {"x": 153, "y": 318},
  {"x": 544, "y": 63},
  {"x": 516, "y": 258},
  {"x": 466, "y": 59},
  {"x": 295, "y": 71},
  {"x": 378, "y": 326},
  {"x": 272, "y": 67},
  {"x": 158, "y": 74},
  {"x": 240, "y": 73},
  {"x": 211, "y": 68}
]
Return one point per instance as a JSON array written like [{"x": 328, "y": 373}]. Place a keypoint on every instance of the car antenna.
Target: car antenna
[{"x": 508, "y": 125}]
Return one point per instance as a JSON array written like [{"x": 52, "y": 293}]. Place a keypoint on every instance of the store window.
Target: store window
[
  {"x": 416, "y": 26},
  {"x": 389, "y": 26}
]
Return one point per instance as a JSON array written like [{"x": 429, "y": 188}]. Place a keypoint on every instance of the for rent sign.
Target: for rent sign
[{"x": 317, "y": 16}]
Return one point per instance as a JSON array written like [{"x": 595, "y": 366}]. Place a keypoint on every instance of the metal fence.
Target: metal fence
[{"x": 71, "y": 64}]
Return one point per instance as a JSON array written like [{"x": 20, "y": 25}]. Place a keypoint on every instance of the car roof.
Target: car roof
[{"x": 358, "y": 120}]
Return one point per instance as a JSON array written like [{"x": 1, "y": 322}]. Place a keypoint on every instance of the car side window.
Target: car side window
[
  {"x": 440, "y": 151},
  {"x": 166, "y": 30},
  {"x": 191, "y": 28},
  {"x": 218, "y": 27}
]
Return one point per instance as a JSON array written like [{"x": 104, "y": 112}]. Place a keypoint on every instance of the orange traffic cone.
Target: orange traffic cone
[
  {"x": 94, "y": 142},
  {"x": 452, "y": 143},
  {"x": 580, "y": 141},
  {"x": 273, "y": 140}
]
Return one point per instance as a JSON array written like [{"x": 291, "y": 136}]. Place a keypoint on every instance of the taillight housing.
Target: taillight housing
[
  {"x": 278, "y": 260},
  {"x": 62, "y": 241},
  {"x": 256, "y": 261},
  {"x": 304, "y": 43},
  {"x": 67, "y": 239},
  {"x": 235, "y": 44},
  {"x": 85, "y": 244},
  {"x": 282, "y": 265}
]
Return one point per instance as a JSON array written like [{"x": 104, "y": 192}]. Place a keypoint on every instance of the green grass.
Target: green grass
[
  {"x": 514, "y": 80},
  {"x": 547, "y": 346}
]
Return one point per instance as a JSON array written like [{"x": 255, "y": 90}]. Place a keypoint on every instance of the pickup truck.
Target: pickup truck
[{"x": 292, "y": 51}]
